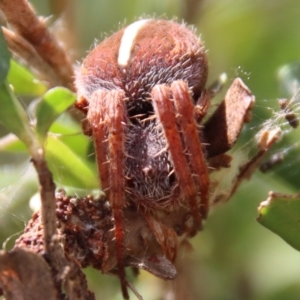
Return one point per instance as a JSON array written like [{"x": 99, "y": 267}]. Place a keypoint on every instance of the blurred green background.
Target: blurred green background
[{"x": 234, "y": 257}]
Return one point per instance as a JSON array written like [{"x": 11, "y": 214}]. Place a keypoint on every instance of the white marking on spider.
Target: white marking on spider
[{"x": 127, "y": 41}]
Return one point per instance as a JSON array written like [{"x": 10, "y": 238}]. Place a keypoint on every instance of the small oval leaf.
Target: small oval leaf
[
  {"x": 13, "y": 115},
  {"x": 68, "y": 168},
  {"x": 53, "y": 103},
  {"x": 24, "y": 82}
]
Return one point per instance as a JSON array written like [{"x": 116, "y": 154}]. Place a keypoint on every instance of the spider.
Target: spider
[{"x": 143, "y": 92}]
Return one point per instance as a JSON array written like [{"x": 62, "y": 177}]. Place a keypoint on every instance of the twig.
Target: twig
[
  {"x": 21, "y": 15},
  {"x": 63, "y": 270},
  {"x": 21, "y": 48},
  {"x": 47, "y": 193}
]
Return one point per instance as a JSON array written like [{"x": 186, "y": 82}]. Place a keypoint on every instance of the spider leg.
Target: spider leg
[
  {"x": 202, "y": 106},
  {"x": 203, "y": 102},
  {"x": 106, "y": 115},
  {"x": 165, "y": 110},
  {"x": 98, "y": 121},
  {"x": 185, "y": 110}
]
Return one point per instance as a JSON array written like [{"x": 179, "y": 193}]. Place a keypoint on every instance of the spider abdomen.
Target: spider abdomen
[{"x": 144, "y": 54}]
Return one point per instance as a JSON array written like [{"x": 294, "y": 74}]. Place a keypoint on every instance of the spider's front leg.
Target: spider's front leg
[
  {"x": 175, "y": 110},
  {"x": 190, "y": 132},
  {"x": 107, "y": 117}
]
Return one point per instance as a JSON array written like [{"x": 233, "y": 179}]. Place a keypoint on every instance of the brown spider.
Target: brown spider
[{"x": 143, "y": 90}]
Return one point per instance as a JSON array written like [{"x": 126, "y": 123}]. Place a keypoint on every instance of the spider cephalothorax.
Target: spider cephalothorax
[{"x": 143, "y": 90}]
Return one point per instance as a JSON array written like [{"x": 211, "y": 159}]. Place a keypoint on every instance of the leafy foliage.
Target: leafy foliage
[{"x": 281, "y": 214}]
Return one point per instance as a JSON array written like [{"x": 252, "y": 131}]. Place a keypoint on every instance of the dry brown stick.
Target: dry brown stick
[
  {"x": 53, "y": 250},
  {"x": 47, "y": 193},
  {"x": 21, "y": 15},
  {"x": 21, "y": 48}
]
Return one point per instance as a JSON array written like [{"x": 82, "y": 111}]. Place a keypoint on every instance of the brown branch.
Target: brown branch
[
  {"x": 21, "y": 48},
  {"x": 47, "y": 189},
  {"x": 21, "y": 15},
  {"x": 62, "y": 270},
  {"x": 52, "y": 250}
]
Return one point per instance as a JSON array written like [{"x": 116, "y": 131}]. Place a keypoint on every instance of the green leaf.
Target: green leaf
[
  {"x": 65, "y": 124},
  {"x": 68, "y": 168},
  {"x": 13, "y": 116},
  {"x": 69, "y": 132},
  {"x": 281, "y": 214},
  {"x": 12, "y": 143},
  {"x": 53, "y": 103},
  {"x": 24, "y": 82},
  {"x": 4, "y": 58}
]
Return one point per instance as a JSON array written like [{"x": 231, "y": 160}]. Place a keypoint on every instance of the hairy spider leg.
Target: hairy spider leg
[
  {"x": 185, "y": 110},
  {"x": 165, "y": 110},
  {"x": 97, "y": 118},
  {"x": 107, "y": 113},
  {"x": 202, "y": 106}
]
